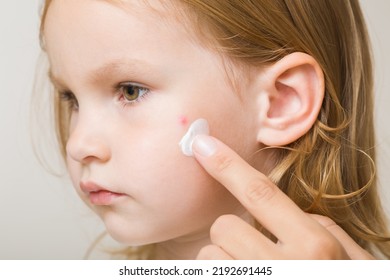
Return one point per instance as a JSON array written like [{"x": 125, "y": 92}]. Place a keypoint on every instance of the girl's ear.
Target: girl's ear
[{"x": 291, "y": 95}]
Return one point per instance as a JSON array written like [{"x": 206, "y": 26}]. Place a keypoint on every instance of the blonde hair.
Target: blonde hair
[{"x": 330, "y": 170}]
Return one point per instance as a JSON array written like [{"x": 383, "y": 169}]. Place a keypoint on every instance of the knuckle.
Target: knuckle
[
  {"x": 323, "y": 248},
  {"x": 260, "y": 189},
  {"x": 325, "y": 221},
  {"x": 222, "y": 162}
]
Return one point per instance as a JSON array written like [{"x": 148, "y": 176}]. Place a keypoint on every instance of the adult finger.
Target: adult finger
[
  {"x": 241, "y": 240},
  {"x": 263, "y": 199},
  {"x": 213, "y": 252},
  {"x": 354, "y": 251}
]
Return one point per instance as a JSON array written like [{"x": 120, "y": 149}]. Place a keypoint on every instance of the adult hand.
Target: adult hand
[{"x": 300, "y": 235}]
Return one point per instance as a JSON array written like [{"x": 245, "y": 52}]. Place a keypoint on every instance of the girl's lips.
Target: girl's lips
[
  {"x": 103, "y": 197},
  {"x": 99, "y": 195}
]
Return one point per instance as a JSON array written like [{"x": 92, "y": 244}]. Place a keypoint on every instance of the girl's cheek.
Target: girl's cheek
[{"x": 183, "y": 121}]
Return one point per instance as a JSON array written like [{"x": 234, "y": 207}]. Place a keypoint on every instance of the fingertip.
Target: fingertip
[{"x": 204, "y": 145}]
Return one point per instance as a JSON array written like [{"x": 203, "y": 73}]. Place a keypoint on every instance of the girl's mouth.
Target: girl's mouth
[
  {"x": 103, "y": 197},
  {"x": 99, "y": 195}
]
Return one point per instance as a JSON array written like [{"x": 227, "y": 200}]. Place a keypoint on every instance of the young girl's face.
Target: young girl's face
[{"x": 139, "y": 79}]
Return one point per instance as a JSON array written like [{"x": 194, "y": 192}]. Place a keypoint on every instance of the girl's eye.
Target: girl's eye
[{"x": 131, "y": 93}]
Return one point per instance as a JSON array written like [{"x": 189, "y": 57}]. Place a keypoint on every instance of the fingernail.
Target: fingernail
[{"x": 204, "y": 145}]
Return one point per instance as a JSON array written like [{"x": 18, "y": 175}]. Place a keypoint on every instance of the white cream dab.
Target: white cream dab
[{"x": 198, "y": 127}]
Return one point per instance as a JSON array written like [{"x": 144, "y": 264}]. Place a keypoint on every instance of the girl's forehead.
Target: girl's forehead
[
  {"x": 81, "y": 36},
  {"x": 155, "y": 12},
  {"x": 89, "y": 17},
  {"x": 143, "y": 8}
]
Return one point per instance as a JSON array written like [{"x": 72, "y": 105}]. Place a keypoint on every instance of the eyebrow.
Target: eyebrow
[{"x": 132, "y": 68}]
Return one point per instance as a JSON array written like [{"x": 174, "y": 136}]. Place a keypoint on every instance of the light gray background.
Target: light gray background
[{"x": 40, "y": 215}]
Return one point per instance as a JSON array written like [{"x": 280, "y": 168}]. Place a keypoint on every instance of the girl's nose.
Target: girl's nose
[{"x": 88, "y": 141}]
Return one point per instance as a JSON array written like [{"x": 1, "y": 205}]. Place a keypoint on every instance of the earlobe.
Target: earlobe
[{"x": 290, "y": 99}]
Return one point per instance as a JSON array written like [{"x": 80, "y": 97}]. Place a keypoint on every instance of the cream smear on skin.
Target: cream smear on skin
[{"x": 198, "y": 127}]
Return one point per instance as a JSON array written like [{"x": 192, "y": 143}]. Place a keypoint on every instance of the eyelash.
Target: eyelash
[
  {"x": 71, "y": 100},
  {"x": 121, "y": 89}
]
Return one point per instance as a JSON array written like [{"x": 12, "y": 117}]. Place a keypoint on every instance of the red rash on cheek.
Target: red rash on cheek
[{"x": 183, "y": 120}]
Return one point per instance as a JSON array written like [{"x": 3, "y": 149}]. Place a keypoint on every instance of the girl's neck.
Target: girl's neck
[
  {"x": 184, "y": 248},
  {"x": 188, "y": 247}
]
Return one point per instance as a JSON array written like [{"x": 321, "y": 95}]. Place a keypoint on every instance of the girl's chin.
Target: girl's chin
[{"x": 135, "y": 239}]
